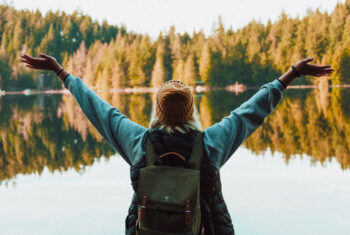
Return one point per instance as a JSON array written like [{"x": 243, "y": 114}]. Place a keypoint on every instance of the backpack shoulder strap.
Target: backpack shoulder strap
[
  {"x": 151, "y": 155},
  {"x": 197, "y": 152}
]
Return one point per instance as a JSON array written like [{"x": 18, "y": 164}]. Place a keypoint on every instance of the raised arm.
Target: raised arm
[
  {"x": 116, "y": 128},
  {"x": 223, "y": 138}
]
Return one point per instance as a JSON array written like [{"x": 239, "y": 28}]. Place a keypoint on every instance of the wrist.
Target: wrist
[
  {"x": 296, "y": 71},
  {"x": 56, "y": 68},
  {"x": 63, "y": 75},
  {"x": 287, "y": 78},
  {"x": 59, "y": 71}
]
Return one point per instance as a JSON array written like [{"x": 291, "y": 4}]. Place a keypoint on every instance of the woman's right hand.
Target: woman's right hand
[{"x": 46, "y": 62}]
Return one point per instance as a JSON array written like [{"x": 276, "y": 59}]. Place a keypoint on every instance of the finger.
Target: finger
[
  {"x": 29, "y": 66},
  {"x": 307, "y": 60},
  {"x": 319, "y": 75},
  {"x": 25, "y": 57},
  {"x": 28, "y": 62},
  {"x": 324, "y": 66},
  {"x": 31, "y": 59},
  {"x": 320, "y": 68},
  {"x": 44, "y": 56},
  {"x": 28, "y": 57},
  {"x": 327, "y": 70}
]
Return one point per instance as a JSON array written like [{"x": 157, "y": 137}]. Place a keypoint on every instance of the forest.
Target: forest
[{"x": 110, "y": 57}]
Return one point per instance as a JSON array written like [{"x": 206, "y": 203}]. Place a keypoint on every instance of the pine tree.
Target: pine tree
[
  {"x": 18, "y": 36},
  {"x": 89, "y": 76},
  {"x": 46, "y": 44},
  {"x": 189, "y": 74},
  {"x": 205, "y": 63},
  {"x": 80, "y": 58},
  {"x": 178, "y": 70},
  {"x": 158, "y": 74}
]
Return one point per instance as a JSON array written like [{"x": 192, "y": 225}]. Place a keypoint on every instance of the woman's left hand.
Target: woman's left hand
[{"x": 304, "y": 68}]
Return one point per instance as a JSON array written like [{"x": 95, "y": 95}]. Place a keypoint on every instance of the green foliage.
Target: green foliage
[
  {"x": 252, "y": 55},
  {"x": 56, "y": 33}
]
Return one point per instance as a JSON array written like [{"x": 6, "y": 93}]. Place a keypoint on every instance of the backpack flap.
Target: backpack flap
[{"x": 166, "y": 190}]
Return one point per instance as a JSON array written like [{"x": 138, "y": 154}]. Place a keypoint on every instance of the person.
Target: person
[{"x": 172, "y": 125}]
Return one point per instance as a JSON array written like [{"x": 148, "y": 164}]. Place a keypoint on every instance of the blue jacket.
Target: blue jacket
[{"x": 221, "y": 140}]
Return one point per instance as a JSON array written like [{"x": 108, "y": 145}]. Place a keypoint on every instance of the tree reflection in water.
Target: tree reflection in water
[
  {"x": 51, "y": 131},
  {"x": 317, "y": 125}
]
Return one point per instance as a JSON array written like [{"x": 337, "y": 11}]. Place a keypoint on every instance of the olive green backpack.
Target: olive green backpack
[{"x": 169, "y": 197}]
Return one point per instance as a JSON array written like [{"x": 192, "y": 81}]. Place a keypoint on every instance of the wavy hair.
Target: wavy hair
[{"x": 194, "y": 123}]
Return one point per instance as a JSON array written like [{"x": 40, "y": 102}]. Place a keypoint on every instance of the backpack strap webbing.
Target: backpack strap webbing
[
  {"x": 151, "y": 155},
  {"x": 197, "y": 152},
  {"x": 195, "y": 159}
]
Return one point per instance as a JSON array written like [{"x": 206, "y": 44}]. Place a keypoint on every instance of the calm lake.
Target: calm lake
[{"x": 292, "y": 176}]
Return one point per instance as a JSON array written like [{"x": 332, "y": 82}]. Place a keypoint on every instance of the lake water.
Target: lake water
[{"x": 57, "y": 175}]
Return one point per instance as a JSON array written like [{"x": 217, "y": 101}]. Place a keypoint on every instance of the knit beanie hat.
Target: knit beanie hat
[{"x": 174, "y": 103}]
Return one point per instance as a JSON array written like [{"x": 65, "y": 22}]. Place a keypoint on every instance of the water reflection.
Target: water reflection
[
  {"x": 317, "y": 124},
  {"x": 36, "y": 136},
  {"x": 51, "y": 131}
]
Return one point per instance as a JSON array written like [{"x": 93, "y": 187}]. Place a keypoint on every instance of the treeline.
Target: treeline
[
  {"x": 109, "y": 57},
  {"x": 252, "y": 55},
  {"x": 57, "y": 33}
]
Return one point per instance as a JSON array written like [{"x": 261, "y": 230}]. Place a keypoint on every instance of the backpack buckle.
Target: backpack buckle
[
  {"x": 188, "y": 213},
  {"x": 143, "y": 208}
]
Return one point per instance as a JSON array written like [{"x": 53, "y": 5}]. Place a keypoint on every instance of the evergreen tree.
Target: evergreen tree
[
  {"x": 189, "y": 74},
  {"x": 158, "y": 73},
  {"x": 205, "y": 63}
]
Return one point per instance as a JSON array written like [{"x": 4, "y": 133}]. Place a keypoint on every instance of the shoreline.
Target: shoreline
[{"x": 129, "y": 90}]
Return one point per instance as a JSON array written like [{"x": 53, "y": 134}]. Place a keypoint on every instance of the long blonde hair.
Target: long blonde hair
[{"x": 194, "y": 123}]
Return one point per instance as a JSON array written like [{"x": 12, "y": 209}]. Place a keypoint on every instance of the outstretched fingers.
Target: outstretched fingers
[
  {"x": 32, "y": 59},
  {"x": 326, "y": 70},
  {"x": 30, "y": 62},
  {"x": 323, "y": 72},
  {"x": 27, "y": 62}
]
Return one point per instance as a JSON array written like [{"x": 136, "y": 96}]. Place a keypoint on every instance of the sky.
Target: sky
[{"x": 153, "y": 16}]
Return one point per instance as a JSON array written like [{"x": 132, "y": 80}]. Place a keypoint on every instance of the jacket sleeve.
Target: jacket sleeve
[
  {"x": 116, "y": 128},
  {"x": 222, "y": 139}
]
